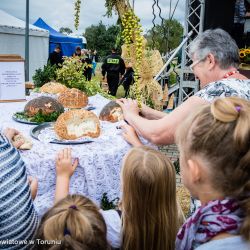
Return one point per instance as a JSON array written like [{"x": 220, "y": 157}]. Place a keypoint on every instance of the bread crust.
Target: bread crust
[
  {"x": 76, "y": 117},
  {"x": 53, "y": 88},
  {"x": 111, "y": 112},
  {"x": 73, "y": 98},
  {"x": 44, "y": 104}
]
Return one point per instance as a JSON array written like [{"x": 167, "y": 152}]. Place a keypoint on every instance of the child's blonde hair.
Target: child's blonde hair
[
  {"x": 149, "y": 207},
  {"x": 220, "y": 134},
  {"x": 76, "y": 222}
]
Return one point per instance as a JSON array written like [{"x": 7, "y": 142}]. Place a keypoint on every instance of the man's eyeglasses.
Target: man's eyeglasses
[{"x": 195, "y": 63}]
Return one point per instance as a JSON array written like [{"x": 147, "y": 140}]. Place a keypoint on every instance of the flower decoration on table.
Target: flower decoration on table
[
  {"x": 71, "y": 75},
  {"x": 245, "y": 55}
]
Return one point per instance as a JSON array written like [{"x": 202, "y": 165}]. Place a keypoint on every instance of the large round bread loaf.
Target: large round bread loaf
[
  {"x": 73, "y": 98},
  {"x": 53, "y": 88},
  {"x": 74, "y": 124},
  {"x": 111, "y": 112},
  {"x": 44, "y": 104}
]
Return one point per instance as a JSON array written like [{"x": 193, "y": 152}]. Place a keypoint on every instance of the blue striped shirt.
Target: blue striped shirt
[{"x": 18, "y": 219}]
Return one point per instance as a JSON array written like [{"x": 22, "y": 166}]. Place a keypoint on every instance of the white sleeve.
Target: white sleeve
[{"x": 114, "y": 227}]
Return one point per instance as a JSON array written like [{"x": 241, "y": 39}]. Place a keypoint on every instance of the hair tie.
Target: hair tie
[
  {"x": 238, "y": 108},
  {"x": 66, "y": 232},
  {"x": 73, "y": 207}
]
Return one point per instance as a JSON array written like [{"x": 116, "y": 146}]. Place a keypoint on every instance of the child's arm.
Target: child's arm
[{"x": 64, "y": 170}]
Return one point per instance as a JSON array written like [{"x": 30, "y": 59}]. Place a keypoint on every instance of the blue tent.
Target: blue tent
[{"x": 67, "y": 43}]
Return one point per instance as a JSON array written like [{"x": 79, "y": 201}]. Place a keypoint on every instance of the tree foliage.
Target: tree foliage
[
  {"x": 103, "y": 38},
  {"x": 65, "y": 30},
  {"x": 166, "y": 37}
]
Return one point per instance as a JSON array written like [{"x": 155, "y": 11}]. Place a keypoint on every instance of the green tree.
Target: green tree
[
  {"x": 103, "y": 38},
  {"x": 65, "y": 30},
  {"x": 166, "y": 37}
]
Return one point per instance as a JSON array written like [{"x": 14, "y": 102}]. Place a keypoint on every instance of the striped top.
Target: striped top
[{"x": 18, "y": 219}]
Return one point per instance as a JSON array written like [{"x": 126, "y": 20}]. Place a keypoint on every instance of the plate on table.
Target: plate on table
[
  {"x": 18, "y": 117},
  {"x": 45, "y": 133}
]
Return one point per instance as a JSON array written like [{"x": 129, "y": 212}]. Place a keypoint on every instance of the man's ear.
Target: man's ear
[
  {"x": 194, "y": 170},
  {"x": 211, "y": 61}
]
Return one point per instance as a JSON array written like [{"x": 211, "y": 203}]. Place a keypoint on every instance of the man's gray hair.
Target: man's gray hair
[{"x": 220, "y": 44}]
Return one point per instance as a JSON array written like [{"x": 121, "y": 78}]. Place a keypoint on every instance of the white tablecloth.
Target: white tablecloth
[{"x": 99, "y": 162}]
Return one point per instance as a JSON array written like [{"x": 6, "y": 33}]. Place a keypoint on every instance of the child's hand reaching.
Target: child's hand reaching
[
  {"x": 64, "y": 166},
  {"x": 64, "y": 170}
]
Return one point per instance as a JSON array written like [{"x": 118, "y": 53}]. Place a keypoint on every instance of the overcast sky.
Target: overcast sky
[{"x": 60, "y": 13}]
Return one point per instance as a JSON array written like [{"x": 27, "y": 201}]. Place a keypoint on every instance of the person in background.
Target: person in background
[
  {"x": 94, "y": 57},
  {"x": 114, "y": 67},
  {"x": 77, "y": 52},
  {"x": 87, "y": 71},
  {"x": 127, "y": 79},
  {"x": 215, "y": 168},
  {"x": 55, "y": 58},
  {"x": 239, "y": 21},
  {"x": 150, "y": 213},
  {"x": 18, "y": 218}
]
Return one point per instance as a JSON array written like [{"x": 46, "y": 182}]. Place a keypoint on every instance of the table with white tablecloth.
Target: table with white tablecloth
[{"x": 99, "y": 166}]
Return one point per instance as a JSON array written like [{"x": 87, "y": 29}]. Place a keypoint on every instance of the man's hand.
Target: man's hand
[
  {"x": 130, "y": 135},
  {"x": 64, "y": 166}
]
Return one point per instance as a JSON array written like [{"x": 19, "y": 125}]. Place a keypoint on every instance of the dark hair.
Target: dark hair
[
  {"x": 78, "y": 48},
  {"x": 58, "y": 47},
  {"x": 114, "y": 49}
]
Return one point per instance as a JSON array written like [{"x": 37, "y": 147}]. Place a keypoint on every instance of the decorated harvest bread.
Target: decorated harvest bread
[
  {"x": 73, "y": 98},
  {"x": 74, "y": 124},
  {"x": 46, "y": 105},
  {"x": 53, "y": 88},
  {"x": 111, "y": 112}
]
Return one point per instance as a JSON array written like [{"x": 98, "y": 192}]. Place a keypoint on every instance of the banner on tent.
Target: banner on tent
[{"x": 12, "y": 82}]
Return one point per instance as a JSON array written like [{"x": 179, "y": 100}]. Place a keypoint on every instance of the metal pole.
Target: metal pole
[{"x": 27, "y": 43}]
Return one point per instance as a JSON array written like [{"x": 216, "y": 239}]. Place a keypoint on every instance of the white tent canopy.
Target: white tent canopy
[{"x": 12, "y": 41}]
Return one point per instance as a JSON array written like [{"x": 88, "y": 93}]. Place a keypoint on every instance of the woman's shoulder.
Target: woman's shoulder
[
  {"x": 225, "y": 88},
  {"x": 230, "y": 243}
]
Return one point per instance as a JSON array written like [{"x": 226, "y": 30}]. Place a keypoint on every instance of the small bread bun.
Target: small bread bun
[
  {"x": 53, "y": 88},
  {"x": 74, "y": 124},
  {"x": 27, "y": 142},
  {"x": 73, "y": 98},
  {"x": 111, "y": 112}
]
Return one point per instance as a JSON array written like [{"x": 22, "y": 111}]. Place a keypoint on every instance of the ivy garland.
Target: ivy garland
[
  {"x": 77, "y": 13},
  {"x": 132, "y": 34}
]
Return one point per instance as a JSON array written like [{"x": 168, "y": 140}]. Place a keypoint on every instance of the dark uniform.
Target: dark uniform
[
  {"x": 55, "y": 58},
  {"x": 113, "y": 65}
]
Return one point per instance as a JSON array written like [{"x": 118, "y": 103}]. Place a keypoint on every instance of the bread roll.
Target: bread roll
[
  {"x": 27, "y": 142},
  {"x": 111, "y": 112},
  {"x": 44, "y": 104},
  {"x": 73, "y": 98},
  {"x": 53, "y": 88},
  {"x": 74, "y": 124}
]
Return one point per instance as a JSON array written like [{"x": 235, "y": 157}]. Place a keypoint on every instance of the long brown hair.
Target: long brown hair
[
  {"x": 76, "y": 223},
  {"x": 149, "y": 207},
  {"x": 220, "y": 133}
]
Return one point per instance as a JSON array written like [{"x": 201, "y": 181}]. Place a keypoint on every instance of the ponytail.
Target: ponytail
[
  {"x": 76, "y": 222},
  {"x": 221, "y": 134}
]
